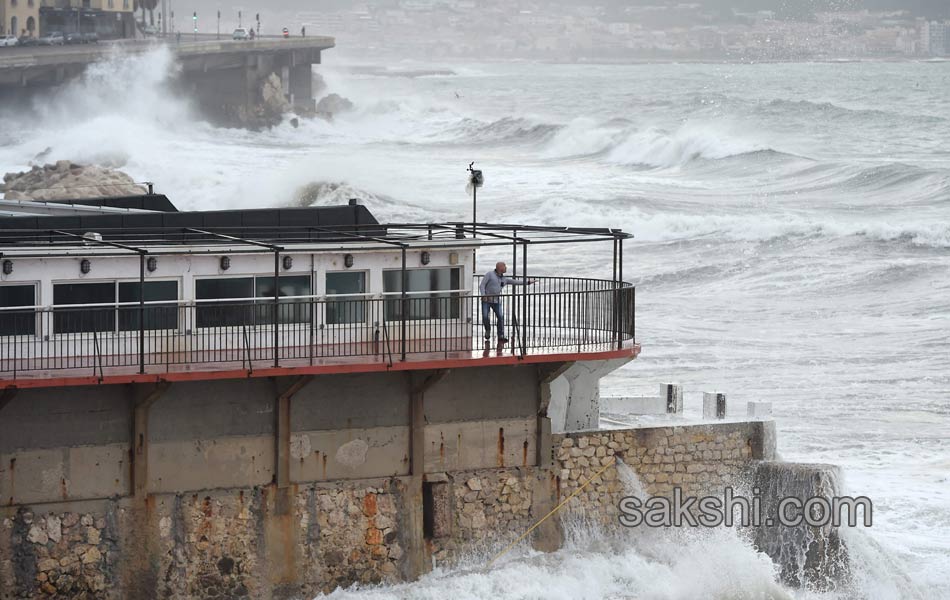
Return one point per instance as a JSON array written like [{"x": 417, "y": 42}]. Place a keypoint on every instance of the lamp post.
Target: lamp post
[
  {"x": 239, "y": 20},
  {"x": 194, "y": 18},
  {"x": 219, "y": 24},
  {"x": 475, "y": 181}
]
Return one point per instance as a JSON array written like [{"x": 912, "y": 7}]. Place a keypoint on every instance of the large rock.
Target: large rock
[
  {"x": 275, "y": 104},
  {"x": 333, "y": 104},
  {"x": 66, "y": 180}
]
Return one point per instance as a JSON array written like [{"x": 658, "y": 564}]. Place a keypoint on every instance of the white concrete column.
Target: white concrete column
[
  {"x": 575, "y": 394},
  {"x": 673, "y": 394},
  {"x": 714, "y": 405}
]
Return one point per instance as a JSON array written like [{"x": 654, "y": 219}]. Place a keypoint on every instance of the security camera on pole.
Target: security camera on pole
[{"x": 194, "y": 18}]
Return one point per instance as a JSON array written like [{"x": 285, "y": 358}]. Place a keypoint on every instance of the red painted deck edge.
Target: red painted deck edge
[{"x": 409, "y": 365}]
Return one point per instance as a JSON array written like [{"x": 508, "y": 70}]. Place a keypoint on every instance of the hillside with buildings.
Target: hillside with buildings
[{"x": 578, "y": 32}]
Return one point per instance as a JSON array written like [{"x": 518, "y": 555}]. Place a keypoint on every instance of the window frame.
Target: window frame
[
  {"x": 457, "y": 294},
  {"x": 115, "y": 306},
  {"x": 328, "y": 298},
  {"x": 37, "y": 309},
  {"x": 251, "y": 301}
]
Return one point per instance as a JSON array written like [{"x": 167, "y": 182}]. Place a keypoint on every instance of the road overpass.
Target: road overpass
[{"x": 226, "y": 77}]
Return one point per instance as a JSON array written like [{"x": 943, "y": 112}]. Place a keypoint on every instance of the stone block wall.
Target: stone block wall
[
  {"x": 59, "y": 554},
  {"x": 294, "y": 542},
  {"x": 252, "y": 543},
  {"x": 701, "y": 460},
  {"x": 485, "y": 509}
]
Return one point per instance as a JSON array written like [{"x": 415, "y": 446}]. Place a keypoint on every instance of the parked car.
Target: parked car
[
  {"x": 240, "y": 34},
  {"x": 150, "y": 30},
  {"x": 9, "y": 40},
  {"x": 55, "y": 38},
  {"x": 90, "y": 37},
  {"x": 28, "y": 40},
  {"x": 74, "y": 38}
]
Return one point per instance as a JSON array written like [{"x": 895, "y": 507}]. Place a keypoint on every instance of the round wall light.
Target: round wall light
[
  {"x": 288, "y": 262},
  {"x": 225, "y": 263},
  {"x": 85, "y": 266},
  {"x": 7, "y": 267},
  {"x": 426, "y": 257},
  {"x": 348, "y": 260},
  {"x": 151, "y": 264}
]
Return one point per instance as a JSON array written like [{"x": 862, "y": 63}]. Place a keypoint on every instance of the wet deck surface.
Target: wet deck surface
[{"x": 220, "y": 364}]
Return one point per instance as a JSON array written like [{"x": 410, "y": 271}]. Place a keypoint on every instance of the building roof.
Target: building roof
[
  {"x": 191, "y": 227},
  {"x": 150, "y": 224}
]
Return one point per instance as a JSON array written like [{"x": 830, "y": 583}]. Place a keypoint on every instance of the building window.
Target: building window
[
  {"x": 73, "y": 313},
  {"x": 18, "y": 322},
  {"x": 431, "y": 293},
  {"x": 349, "y": 305},
  {"x": 83, "y": 318},
  {"x": 230, "y": 302},
  {"x": 30, "y": 25},
  {"x": 157, "y": 316},
  {"x": 294, "y": 303},
  {"x": 111, "y": 3}
]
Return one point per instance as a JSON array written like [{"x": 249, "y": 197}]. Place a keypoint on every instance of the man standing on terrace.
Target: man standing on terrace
[{"x": 490, "y": 291}]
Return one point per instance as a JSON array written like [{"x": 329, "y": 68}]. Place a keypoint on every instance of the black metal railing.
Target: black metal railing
[{"x": 555, "y": 314}]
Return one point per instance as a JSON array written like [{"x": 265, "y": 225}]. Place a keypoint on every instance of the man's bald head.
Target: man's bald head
[{"x": 501, "y": 267}]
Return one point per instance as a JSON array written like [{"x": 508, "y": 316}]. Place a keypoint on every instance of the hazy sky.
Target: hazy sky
[{"x": 933, "y": 8}]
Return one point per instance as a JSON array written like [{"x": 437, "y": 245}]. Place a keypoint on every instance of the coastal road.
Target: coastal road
[
  {"x": 43, "y": 65},
  {"x": 26, "y": 56}
]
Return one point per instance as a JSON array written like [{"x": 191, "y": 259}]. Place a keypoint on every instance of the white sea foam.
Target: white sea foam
[
  {"x": 660, "y": 148},
  {"x": 818, "y": 282}
]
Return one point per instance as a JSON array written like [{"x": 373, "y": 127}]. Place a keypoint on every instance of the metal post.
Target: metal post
[
  {"x": 276, "y": 316},
  {"x": 514, "y": 253},
  {"x": 524, "y": 309},
  {"x": 613, "y": 303},
  {"x": 474, "y": 221},
  {"x": 219, "y": 24},
  {"x": 622, "y": 318},
  {"x": 403, "y": 305},
  {"x": 142, "y": 313},
  {"x": 513, "y": 323}
]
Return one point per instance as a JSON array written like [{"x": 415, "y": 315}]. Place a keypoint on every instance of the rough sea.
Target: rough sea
[{"x": 792, "y": 227}]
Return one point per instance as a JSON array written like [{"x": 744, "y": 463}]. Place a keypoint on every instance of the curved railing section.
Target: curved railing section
[{"x": 554, "y": 315}]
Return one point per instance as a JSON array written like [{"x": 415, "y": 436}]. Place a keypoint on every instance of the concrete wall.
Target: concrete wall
[
  {"x": 263, "y": 541},
  {"x": 73, "y": 444},
  {"x": 58, "y": 444}
]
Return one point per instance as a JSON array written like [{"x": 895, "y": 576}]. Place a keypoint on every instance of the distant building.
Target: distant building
[
  {"x": 935, "y": 38},
  {"x": 20, "y": 17},
  {"x": 109, "y": 19}
]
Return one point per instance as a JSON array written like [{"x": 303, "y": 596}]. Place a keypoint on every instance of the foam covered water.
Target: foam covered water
[{"x": 792, "y": 245}]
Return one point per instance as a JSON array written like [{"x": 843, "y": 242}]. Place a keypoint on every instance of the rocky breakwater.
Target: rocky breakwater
[{"x": 66, "y": 180}]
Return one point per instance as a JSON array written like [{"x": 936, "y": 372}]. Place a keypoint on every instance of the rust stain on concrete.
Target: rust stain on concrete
[{"x": 501, "y": 446}]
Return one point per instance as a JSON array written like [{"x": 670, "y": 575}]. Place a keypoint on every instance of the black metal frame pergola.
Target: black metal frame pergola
[{"x": 165, "y": 241}]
